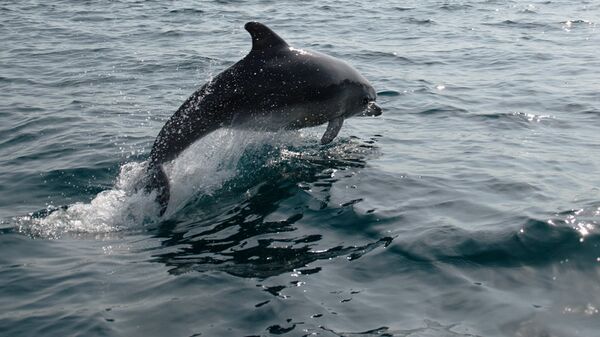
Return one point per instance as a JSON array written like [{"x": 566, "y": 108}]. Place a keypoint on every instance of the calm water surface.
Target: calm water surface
[{"x": 471, "y": 207}]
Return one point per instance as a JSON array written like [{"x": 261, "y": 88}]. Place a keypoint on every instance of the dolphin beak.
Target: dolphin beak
[{"x": 373, "y": 109}]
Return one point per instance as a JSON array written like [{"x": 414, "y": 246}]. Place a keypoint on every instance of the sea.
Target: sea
[{"x": 470, "y": 207}]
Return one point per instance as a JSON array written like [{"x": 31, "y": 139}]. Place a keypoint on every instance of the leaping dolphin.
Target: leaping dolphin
[{"x": 274, "y": 87}]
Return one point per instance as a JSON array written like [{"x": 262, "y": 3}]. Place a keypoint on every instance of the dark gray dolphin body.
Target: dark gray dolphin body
[{"x": 274, "y": 87}]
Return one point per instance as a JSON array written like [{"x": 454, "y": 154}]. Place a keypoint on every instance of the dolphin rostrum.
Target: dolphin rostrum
[{"x": 274, "y": 87}]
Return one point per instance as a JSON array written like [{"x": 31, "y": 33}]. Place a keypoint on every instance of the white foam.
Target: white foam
[{"x": 109, "y": 211}]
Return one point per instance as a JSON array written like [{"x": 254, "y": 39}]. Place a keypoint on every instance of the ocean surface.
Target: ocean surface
[{"x": 471, "y": 207}]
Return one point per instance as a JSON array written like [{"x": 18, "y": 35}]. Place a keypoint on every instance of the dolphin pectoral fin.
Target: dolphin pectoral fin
[{"x": 333, "y": 128}]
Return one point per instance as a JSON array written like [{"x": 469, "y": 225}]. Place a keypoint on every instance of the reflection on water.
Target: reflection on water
[{"x": 236, "y": 232}]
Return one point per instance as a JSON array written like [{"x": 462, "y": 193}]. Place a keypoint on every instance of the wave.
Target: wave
[
  {"x": 520, "y": 24},
  {"x": 444, "y": 111},
  {"x": 454, "y": 7},
  {"x": 576, "y": 22},
  {"x": 570, "y": 236},
  {"x": 420, "y": 21},
  {"x": 388, "y": 93},
  {"x": 519, "y": 117},
  {"x": 187, "y": 11}
]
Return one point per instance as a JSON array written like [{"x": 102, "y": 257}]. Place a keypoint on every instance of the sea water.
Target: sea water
[{"x": 469, "y": 208}]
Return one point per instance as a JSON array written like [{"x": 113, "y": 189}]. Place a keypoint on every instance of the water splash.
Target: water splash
[
  {"x": 109, "y": 211},
  {"x": 210, "y": 162},
  {"x": 201, "y": 169}
]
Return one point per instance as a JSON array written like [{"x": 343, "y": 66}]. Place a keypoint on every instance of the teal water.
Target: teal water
[{"x": 471, "y": 207}]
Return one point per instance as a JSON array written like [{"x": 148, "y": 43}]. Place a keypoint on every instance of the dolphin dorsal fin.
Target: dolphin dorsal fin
[{"x": 263, "y": 38}]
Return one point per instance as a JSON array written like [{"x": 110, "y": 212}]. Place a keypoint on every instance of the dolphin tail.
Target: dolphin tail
[{"x": 158, "y": 180}]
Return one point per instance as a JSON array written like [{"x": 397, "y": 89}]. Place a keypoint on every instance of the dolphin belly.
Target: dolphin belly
[{"x": 297, "y": 116}]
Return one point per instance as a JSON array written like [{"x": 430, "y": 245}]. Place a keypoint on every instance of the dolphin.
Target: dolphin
[{"x": 272, "y": 88}]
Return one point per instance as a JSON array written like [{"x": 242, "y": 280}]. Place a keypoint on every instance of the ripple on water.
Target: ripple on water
[
  {"x": 535, "y": 242},
  {"x": 449, "y": 205},
  {"x": 234, "y": 161}
]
